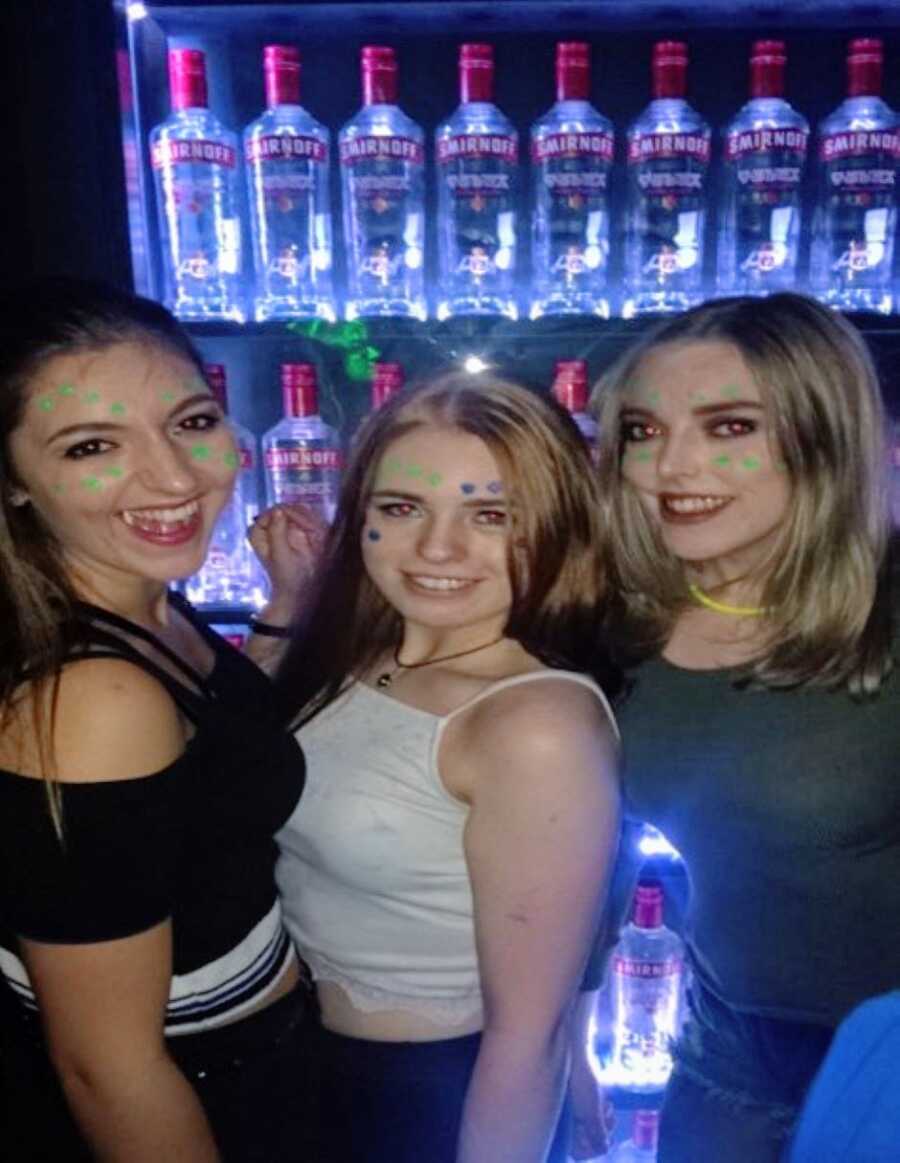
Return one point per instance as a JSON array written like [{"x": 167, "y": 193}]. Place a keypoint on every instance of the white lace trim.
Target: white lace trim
[{"x": 370, "y": 999}]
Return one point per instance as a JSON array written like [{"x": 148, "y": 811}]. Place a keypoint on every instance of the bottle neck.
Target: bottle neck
[
  {"x": 669, "y": 80},
  {"x": 864, "y": 77},
  {"x": 379, "y": 87},
  {"x": 282, "y": 87},
  {"x": 766, "y": 77},
  {"x": 573, "y": 82},
  {"x": 476, "y": 82}
]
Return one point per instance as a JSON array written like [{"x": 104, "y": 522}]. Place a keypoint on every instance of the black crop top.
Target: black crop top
[{"x": 192, "y": 842}]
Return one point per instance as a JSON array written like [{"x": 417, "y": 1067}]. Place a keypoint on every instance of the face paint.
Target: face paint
[
  {"x": 495, "y": 487},
  {"x": 58, "y": 488},
  {"x": 201, "y": 452},
  {"x": 731, "y": 391},
  {"x": 751, "y": 463},
  {"x": 467, "y": 488},
  {"x": 232, "y": 460},
  {"x": 167, "y": 397},
  {"x": 92, "y": 483},
  {"x": 414, "y": 470},
  {"x": 434, "y": 478},
  {"x": 373, "y": 535},
  {"x": 113, "y": 471},
  {"x": 117, "y": 409},
  {"x": 46, "y": 404},
  {"x": 65, "y": 390},
  {"x": 92, "y": 397},
  {"x": 722, "y": 461}
]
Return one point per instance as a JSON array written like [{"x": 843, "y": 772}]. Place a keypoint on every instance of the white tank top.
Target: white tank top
[{"x": 372, "y": 870}]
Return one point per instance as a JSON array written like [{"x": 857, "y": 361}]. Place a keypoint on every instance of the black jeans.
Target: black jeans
[
  {"x": 398, "y": 1102},
  {"x": 738, "y": 1084},
  {"x": 254, "y": 1078}
]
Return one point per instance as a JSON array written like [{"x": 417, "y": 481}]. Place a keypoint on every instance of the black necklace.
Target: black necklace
[{"x": 385, "y": 680}]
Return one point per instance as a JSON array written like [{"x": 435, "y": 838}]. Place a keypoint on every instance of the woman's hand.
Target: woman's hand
[{"x": 288, "y": 540}]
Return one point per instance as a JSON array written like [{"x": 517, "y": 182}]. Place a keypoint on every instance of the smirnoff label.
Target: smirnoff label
[
  {"x": 633, "y": 967},
  {"x": 393, "y": 149},
  {"x": 304, "y": 458},
  {"x": 478, "y": 145},
  {"x": 643, "y": 147},
  {"x": 754, "y": 142},
  {"x": 245, "y": 458},
  {"x": 860, "y": 143},
  {"x": 286, "y": 147},
  {"x": 168, "y": 153},
  {"x": 572, "y": 145}
]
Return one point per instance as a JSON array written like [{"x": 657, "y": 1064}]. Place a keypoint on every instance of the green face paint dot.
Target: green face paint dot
[
  {"x": 232, "y": 460},
  {"x": 723, "y": 461},
  {"x": 435, "y": 478},
  {"x": 168, "y": 397},
  {"x": 113, "y": 471},
  {"x": 653, "y": 397},
  {"x": 117, "y": 409},
  {"x": 643, "y": 455},
  {"x": 413, "y": 470},
  {"x": 46, "y": 405},
  {"x": 731, "y": 391},
  {"x": 92, "y": 483},
  {"x": 65, "y": 390},
  {"x": 780, "y": 466},
  {"x": 750, "y": 462},
  {"x": 92, "y": 397},
  {"x": 58, "y": 489},
  {"x": 201, "y": 452}
]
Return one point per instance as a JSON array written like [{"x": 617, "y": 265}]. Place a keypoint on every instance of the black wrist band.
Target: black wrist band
[{"x": 267, "y": 629}]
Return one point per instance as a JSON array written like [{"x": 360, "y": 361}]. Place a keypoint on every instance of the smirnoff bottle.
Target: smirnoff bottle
[
  {"x": 231, "y": 574},
  {"x": 642, "y": 1145},
  {"x": 668, "y": 160},
  {"x": 387, "y": 380},
  {"x": 382, "y": 154},
  {"x": 194, "y": 161},
  {"x": 477, "y": 154},
  {"x": 855, "y": 219},
  {"x": 571, "y": 162},
  {"x": 646, "y": 971},
  {"x": 286, "y": 154},
  {"x": 570, "y": 388},
  {"x": 764, "y": 154},
  {"x": 302, "y": 454}
]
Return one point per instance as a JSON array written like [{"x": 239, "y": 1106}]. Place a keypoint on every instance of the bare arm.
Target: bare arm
[
  {"x": 103, "y": 1003},
  {"x": 540, "y": 839}
]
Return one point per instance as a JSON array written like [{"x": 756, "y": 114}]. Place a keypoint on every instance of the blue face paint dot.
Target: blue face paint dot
[
  {"x": 495, "y": 487},
  {"x": 374, "y": 535},
  {"x": 467, "y": 488}
]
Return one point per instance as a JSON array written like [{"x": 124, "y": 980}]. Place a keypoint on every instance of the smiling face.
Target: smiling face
[
  {"x": 436, "y": 534},
  {"x": 127, "y": 458},
  {"x": 698, "y": 448}
]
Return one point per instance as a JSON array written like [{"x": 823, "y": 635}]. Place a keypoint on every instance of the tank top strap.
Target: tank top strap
[{"x": 534, "y": 676}]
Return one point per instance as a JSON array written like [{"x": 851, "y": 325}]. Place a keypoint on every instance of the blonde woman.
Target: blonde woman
[
  {"x": 742, "y": 477},
  {"x": 444, "y": 877}
]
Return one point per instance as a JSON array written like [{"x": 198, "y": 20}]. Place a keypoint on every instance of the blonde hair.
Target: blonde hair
[
  {"x": 825, "y": 580},
  {"x": 557, "y": 565}
]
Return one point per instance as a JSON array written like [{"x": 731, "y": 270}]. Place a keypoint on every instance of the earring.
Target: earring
[{"x": 18, "y": 498}]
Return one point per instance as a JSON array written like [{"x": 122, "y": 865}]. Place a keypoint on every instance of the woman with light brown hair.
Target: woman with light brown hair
[
  {"x": 743, "y": 495},
  {"x": 444, "y": 878}
]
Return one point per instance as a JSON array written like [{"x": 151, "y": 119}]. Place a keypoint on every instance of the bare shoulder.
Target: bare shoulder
[
  {"x": 540, "y": 712},
  {"x": 113, "y": 721}
]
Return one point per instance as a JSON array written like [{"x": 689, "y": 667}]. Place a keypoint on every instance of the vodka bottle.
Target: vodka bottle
[
  {"x": 855, "y": 218},
  {"x": 570, "y": 388},
  {"x": 387, "y": 380},
  {"x": 382, "y": 154},
  {"x": 764, "y": 154},
  {"x": 477, "y": 155},
  {"x": 302, "y": 454},
  {"x": 231, "y": 574},
  {"x": 194, "y": 161},
  {"x": 571, "y": 162},
  {"x": 668, "y": 161},
  {"x": 286, "y": 154},
  {"x": 646, "y": 971},
  {"x": 641, "y": 1147}
]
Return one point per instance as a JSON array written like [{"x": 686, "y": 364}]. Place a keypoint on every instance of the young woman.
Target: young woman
[
  {"x": 152, "y": 997},
  {"x": 445, "y": 875},
  {"x": 742, "y": 476}
]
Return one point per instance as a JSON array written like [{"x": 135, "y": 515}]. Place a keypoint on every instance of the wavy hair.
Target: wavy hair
[
  {"x": 39, "y": 322},
  {"x": 557, "y": 567},
  {"x": 826, "y": 580}
]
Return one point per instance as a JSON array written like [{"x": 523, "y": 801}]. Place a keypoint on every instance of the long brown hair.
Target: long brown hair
[
  {"x": 557, "y": 572},
  {"x": 37, "y": 628},
  {"x": 826, "y": 581}
]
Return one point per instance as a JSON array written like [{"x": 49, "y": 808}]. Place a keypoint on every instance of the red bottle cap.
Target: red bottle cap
[
  {"x": 573, "y": 70},
  {"x": 215, "y": 377},
  {"x": 648, "y": 904},
  {"x": 387, "y": 380},
  {"x": 281, "y": 66},
  {"x": 767, "y": 61},
  {"x": 187, "y": 78},
  {"x": 476, "y": 72},
  {"x": 864, "y": 61},
  {"x": 645, "y": 1129},
  {"x": 299, "y": 389},
  {"x": 379, "y": 75},
  {"x": 570, "y": 384},
  {"x": 669, "y": 69}
]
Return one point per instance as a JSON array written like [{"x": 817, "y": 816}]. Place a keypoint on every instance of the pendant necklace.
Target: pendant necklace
[
  {"x": 703, "y": 599},
  {"x": 385, "y": 680}
]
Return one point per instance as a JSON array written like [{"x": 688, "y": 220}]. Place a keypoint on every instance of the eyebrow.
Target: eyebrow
[
  {"x": 700, "y": 409},
  {"x": 112, "y": 426},
  {"x": 468, "y": 503}
]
